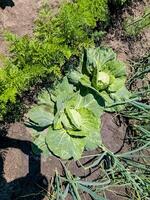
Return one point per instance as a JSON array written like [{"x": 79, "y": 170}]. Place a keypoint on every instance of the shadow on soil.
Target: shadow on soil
[
  {"x": 33, "y": 186},
  {"x": 6, "y": 3}
]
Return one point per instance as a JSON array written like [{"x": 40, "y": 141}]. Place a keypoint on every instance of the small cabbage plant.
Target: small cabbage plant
[
  {"x": 104, "y": 74},
  {"x": 65, "y": 122}
]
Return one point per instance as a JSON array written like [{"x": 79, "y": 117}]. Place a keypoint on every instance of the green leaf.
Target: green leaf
[
  {"x": 117, "y": 84},
  {"x": 73, "y": 101},
  {"x": 58, "y": 119},
  {"x": 108, "y": 100},
  {"x": 121, "y": 95},
  {"x": 45, "y": 98},
  {"x": 93, "y": 194},
  {"x": 88, "y": 101},
  {"x": 115, "y": 102},
  {"x": 89, "y": 121},
  {"x": 97, "y": 57},
  {"x": 85, "y": 81},
  {"x": 74, "y": 76},
  {"x": 85, "y": 119},
  {"x": 41, "y": 115},
  {"x": 116, "y": 68},
  {"x": 74, "y": 117},
  {"x": 93, "y": 140},
  {"x": 59, "y": 93},
  {"x": 66, "y": 123},
  {"x": 91, "y": 126},
  {"x": 40, "y": 146},
  {"x": 63, "y": 145},
  {"x": 60, "y": 104}
]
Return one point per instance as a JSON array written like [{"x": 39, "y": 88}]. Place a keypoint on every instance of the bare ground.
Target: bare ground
[
  {"x": 128, "y": 48},
  {"x": 19, "y": 18}
]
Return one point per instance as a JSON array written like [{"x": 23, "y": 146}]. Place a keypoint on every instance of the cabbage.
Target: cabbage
[
  {"x": 105, "y": 75},
  {"x": 65, "y": 122}
]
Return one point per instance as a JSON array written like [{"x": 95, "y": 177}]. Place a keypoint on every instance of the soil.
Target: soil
[
  {"x": 26, "y": 176},
  {"x": 127, "y": 47},
  {"x": 18, "y": 17}
]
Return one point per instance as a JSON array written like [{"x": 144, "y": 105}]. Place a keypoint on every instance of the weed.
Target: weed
[{"x": 133, "y": 26}]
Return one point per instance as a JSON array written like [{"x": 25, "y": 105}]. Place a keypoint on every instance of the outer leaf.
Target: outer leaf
[
  {"x": 97, "y": 57},
  {"x": 59, "y": 93},
  {"x": 117, "y": 84},
  {"x": 89, "y": 121},
  {"x": 41, "y": 115},
  {"x": 78, "y": 133},
  {"x": 60, "y": 104},
  {"x": 93, "y": 140},
  {"x": 45, "y": 98},
  {"x": 60, "y": 116},
  {"x": 116, "y": 68},
  {"x": 40, "y": 145},
  {"x": 74, "y": 77},
  {"x": 63, "y": 145},
  {"x": 121, "y": 95},
  {"x": 115, "y": 102},
  {"x": 84, "y": 80},
  {"x": 91, "y": 125},
  {"x": 119, "y": 90},
  {"x": 73, "y": 100},
  {"x": 108, "y": 100}
]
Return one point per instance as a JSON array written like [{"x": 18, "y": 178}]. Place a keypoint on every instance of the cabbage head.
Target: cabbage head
[{"x": 64, "y": 122}]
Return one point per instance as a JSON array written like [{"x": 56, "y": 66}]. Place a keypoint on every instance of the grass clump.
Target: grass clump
[{"x": 134, "y": 27}]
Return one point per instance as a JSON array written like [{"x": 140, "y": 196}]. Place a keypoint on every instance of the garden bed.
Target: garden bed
[{"x": 28, "y": 176}]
